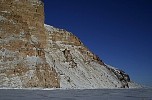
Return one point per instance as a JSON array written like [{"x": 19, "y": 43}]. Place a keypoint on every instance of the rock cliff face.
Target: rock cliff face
[
  {"x": 36, "y": 55},
  {"x": 77, "y": 66},
  {"x": 22, "y": 42}
]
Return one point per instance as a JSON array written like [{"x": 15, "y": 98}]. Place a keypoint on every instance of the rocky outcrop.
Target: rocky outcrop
[
  {"x": 67, "y": 38},
  {"x": 121, "y": 75},
  {"x": 22, "y": 42},
  {"x": 69, "y": 58},
  {"x": 78, "y": 67}
]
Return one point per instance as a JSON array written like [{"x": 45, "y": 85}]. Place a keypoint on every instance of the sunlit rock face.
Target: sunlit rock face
[
  {"x": 22, "y": 42},
  {"x": 34, "y": 55},
  {"x": 78, "y": 67}
]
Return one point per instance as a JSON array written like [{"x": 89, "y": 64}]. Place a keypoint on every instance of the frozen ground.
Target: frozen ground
[{"x": 102, "y": 94}]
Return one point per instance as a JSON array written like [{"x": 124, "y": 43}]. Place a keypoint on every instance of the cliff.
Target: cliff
[
  {"x": 34, "y": 55},
  {"x": 22, "y": 42}
]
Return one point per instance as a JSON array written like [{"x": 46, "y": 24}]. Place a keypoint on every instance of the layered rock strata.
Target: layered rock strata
[{"x": 22, "y": 42}]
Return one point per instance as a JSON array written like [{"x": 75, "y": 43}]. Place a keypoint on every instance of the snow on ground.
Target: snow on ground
[{"x": 94, "y": 94}]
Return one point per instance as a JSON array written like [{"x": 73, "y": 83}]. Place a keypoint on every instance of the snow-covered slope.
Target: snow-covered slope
[{"x": 77, "y": 66}]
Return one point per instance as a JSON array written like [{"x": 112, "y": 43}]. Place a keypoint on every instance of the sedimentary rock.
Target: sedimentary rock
[
  {"x": 22, "y": 42},
  {"x": 34, "y": 55}
]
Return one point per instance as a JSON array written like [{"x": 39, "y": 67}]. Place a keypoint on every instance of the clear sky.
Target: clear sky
[{"x": 118, "y": 31}]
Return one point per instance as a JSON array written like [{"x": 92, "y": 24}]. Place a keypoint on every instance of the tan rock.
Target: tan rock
[{"x": 22, "y": 42}]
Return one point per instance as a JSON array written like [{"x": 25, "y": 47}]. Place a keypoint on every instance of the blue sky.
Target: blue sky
[{"x": 118, "y": 31}]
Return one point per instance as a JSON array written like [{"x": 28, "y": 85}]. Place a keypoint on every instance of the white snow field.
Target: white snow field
[{"x": 93, "y": 94}]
